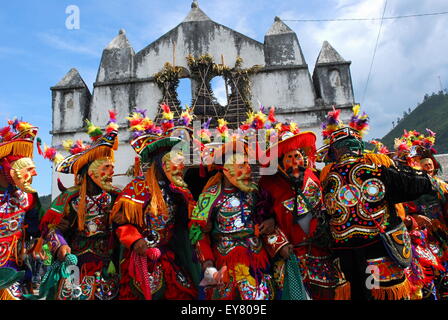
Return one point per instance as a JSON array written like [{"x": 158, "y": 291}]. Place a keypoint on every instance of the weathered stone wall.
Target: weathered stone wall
[{"x": 125, "y": 79}]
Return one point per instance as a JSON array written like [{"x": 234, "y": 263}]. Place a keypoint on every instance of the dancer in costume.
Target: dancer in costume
[
  {"x": 226, "y": 228},
  {"x": 151, "y": 215},
  {"x": 300, "y": 215},
  {"x": 19, "y": 207},
  {"x": 429, "y": 213},
  {"x": 359, "y": 192},
  {"x": 76, "y": 226}
]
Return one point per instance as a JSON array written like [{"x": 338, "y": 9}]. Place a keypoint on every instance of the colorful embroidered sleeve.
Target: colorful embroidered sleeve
[
  {"x": 201, "y": 212},
  {"x": 199, "y": 223}
]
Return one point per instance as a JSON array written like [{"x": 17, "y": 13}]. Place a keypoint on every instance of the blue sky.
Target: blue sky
[{"x": 37, "y": 49}]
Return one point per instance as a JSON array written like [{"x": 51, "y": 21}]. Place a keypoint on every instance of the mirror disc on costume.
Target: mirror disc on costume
[
  {"x": 348, "y": 195},
  {"x": 373, "y": 190}
]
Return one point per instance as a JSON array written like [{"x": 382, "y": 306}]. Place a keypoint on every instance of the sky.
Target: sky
[{"x": 37, "y": 49}]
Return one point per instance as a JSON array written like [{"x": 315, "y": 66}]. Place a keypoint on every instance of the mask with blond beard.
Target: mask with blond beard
[
  {"x": 238, "y": 171},
  {"x": 173, "y": 166},
  {"x": 101, "y": 172},
  {"x": 22, "y": 173}
]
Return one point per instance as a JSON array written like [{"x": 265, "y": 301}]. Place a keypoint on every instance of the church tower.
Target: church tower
[{"x": 332, "y": 78}]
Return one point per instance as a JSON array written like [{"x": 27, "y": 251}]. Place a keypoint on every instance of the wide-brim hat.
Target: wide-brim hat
[
  {"x": 8, "y": 276},
  {"x": 22, "y": 144},
  {"x": 148, "y": 145},
  {"x": 305, "y": 141},
  {"x": 102, "y": 148}
]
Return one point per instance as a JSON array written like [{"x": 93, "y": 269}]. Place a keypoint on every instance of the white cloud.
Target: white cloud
[
  {"x": 9, "y": 51},
  {"x": 68, "y": 44},
  {"x": 410, "y": 54}
]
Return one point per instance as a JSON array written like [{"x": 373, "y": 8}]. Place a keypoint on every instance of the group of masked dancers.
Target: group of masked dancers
[{"x": 368, "y": 224}]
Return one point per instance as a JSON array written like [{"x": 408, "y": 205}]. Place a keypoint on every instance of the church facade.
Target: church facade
[{"x": 272, "y": 73}]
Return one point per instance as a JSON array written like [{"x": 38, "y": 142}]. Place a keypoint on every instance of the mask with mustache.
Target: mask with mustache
[
  {"x": 173, "y": 167},
  {"x": 22, "y": 173},
  {"x": 238, "y": 172},
  {"x": 101, "y": 172},
  {"x": 293, "y": 166}
]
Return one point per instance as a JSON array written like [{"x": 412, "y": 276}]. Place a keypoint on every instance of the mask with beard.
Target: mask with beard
[
  {"x": 173, "y": 167},
  {"x": 346, "y": 148},
  {"x": 22, "y": 173},
  {"x": 101, "y": 172},
  {"x": 292, "y": 165},
  {"x": 238, "y": 172}
]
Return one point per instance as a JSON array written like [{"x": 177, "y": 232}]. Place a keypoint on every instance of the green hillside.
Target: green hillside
[
  {"x": 45, "y": 201},
  {"x": 432, "y": 113}
]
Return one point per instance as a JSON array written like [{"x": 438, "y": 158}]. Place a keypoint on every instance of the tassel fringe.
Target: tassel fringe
[
  {"x": 397, "y": 292},
  {"x": 133, "y": 212},
  {"x": 343, "y": 292},
  {"x": 157, "y": 204},
  {"x": 381, "y": 159},
  {"x": 17, "y": 148},
  {"x": 92, "y": 155},
  {"x": 239, "y": 255}
]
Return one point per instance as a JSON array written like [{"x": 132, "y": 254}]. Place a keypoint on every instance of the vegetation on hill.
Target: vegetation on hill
[
  {"x": 45, "y": 201},
  {"x": 432, "y": 113}
]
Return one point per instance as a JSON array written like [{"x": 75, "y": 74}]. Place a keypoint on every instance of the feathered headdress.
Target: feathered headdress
[
  {"x": 167, "y": 117},
  {"x": 359, "y": 122},
  {"x": 49, "y": 153},
  {"x": 379, "y": 147},
  {"x": 81, "y": 153},
  {"x": 17, "y": 139},
  {"x": 291, "y": 138},
  {"x": 333, "y": 128},
  {"x": 417, "y": 143},
  {"x": 186, "y": 117},
  {"x": 141, "y": 125},
  {"x": 331, "y": 124},
  {"x": 223, "y": 130}
]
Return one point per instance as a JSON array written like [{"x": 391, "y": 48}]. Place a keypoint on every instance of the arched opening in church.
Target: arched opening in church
[
  {"x": 219, "y": 90},
  {"x": 184, "y": 92}
]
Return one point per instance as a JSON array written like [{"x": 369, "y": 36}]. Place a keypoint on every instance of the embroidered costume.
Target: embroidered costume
[
  {"x": 19, "y": 207},
  {"x": 151, "y": 216},
  {"x": 299, "y": 214},
  {"x": 224, "y": 228},
  {"x": 360, "y": 191},
  {"x": 77, "y": 222},
  {"x": 429, "y": 212}
]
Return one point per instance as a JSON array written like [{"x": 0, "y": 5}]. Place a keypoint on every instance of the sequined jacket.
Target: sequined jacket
[
  {"x": 60, "y": 224},
  {"x": 358, "y": 190},
  {"x": 227, "y": 222},
  {"x": 19, "y": 216}
]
